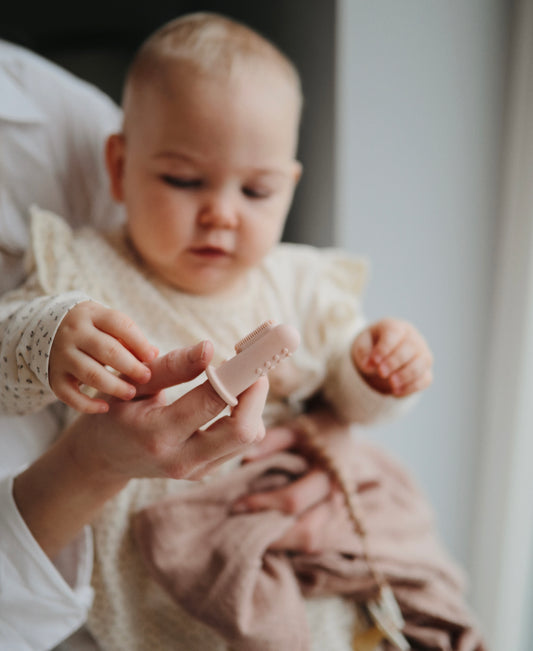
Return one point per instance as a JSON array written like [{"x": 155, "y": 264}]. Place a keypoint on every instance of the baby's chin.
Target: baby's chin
[{"x": 215, "y": 285}]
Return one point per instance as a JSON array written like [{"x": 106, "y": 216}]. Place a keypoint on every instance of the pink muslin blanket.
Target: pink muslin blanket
[{"x": 217, "y": 565}]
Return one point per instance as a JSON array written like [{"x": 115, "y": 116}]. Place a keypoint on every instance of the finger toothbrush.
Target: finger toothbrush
[{"x": 256, "y": 354}]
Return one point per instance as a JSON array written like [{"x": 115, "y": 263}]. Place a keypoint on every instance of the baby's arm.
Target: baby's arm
[
  {"x": 89, "y": 338},
  {"x": 376, "y": 376},
  {"x": 393, "y": 357},
  {"x": 29, "y": 323}
]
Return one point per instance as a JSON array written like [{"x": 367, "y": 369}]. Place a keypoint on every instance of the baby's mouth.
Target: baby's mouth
[{"x": 212, "y": 252}]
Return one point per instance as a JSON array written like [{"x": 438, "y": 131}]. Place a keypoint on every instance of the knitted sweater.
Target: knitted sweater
[{"x": 318, "y": 291}]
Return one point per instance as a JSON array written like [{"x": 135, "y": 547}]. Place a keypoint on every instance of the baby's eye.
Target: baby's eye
[
  {"x": 181, "y": 182},
  {"x": 256, "y": 192}
]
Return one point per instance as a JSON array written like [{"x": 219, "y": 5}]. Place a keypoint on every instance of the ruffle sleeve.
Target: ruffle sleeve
[
  {"x": 328, "y": 291},
  {"x": 53, "y": 252},
  {"x": 327, "y": 287}
]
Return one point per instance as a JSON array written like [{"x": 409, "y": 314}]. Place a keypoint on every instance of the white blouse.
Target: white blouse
[{"x": 52, "y": 132}]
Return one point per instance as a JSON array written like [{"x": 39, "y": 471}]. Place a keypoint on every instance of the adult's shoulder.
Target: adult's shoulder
[
  {"x": 47, "y": 85},
  {"x": 53, "y": 129}
]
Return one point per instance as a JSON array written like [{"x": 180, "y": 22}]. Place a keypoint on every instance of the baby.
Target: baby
[{"x": 205, "y": 165}]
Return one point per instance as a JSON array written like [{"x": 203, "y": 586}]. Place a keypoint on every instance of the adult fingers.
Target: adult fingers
[
  {"x": 226, "y": 437},
  {"x": 208, "y": 468},
  {"x": 307, "y": 533},
  {"x": 276, "y": 439},
  {"x": 177, "y": 366},
  {"x": 293, "y": 499}
]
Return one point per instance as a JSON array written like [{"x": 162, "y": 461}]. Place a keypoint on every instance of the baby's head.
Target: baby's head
[{"x": 206, "y": 161}]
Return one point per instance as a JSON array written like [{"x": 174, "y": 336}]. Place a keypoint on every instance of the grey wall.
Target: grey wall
[{"x": 420, "y": 103}]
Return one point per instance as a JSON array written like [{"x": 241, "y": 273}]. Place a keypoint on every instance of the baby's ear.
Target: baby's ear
[{"x": 114, "y": 157}]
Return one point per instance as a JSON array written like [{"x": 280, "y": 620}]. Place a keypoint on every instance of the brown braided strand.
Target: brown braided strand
[{"x": 309, "y": 438}]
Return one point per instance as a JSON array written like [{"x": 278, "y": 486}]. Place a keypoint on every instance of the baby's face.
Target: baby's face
[{"x": 207, "y": 173}]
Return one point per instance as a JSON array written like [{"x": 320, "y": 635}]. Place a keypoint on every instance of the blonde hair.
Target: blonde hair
[{"x": 211, "y": 45}]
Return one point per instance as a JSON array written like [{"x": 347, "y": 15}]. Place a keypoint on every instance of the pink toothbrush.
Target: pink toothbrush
[{"x": 256, "y": 354}]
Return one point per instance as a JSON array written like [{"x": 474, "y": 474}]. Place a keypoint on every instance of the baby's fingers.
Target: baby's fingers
[
  {"x": 387, "y": 334},
  {"x": 68, "y": 391},
  {"x": 399, "y": 357},
  {"x": 91, "y": 373},
  {"x": 110, "y": 351},
  {"x": 414, "y": 376},
  {"x": 123, "y": 328},
  {"x": 361, "y": 351}
]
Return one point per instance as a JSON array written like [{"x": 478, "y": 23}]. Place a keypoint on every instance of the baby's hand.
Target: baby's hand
[
  {"x": 90, "y": 337},
  {"x": 393, "y": 357}
]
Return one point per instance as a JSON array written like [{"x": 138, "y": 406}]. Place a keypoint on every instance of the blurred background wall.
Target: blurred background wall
[{"x": 420, "y": 111}]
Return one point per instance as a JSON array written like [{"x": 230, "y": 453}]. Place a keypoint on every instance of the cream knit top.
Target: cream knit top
[{"x": 318, "y": 291}]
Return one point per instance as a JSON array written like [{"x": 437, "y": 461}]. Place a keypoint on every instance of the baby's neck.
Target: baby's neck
[{"x": 229, "y": 291}]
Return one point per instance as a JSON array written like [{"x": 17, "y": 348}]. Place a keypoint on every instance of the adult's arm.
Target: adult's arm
[
  {"x": 314, "y": 499},
  {"x": 52, "y": 128},
  {"x": 98, "y": 454},
  {"x": 57, "y": 495}
]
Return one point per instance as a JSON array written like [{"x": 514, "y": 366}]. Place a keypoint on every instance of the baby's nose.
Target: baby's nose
[{"x": 218, "y": 212}]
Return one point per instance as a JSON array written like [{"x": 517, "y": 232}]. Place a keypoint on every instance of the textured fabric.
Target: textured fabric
[
  {"x": 27, "y": 330},
  {"x": 317, "y": 291},
  {"x": 53, "y": 128},
  {"x": 217, "y": 565},
  {"x": 38, "y": 607},
  {"x": 52, "y": 132}
]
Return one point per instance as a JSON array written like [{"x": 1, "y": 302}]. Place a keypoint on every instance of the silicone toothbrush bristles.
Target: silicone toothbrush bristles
[
  {"x": 253, "y": 336},
  {"x": 257, "y": 354}
]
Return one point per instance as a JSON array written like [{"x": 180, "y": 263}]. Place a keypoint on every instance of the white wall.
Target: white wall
[
  {"x": 503, "y": 565},
  {"x": 420, "y": 96}
]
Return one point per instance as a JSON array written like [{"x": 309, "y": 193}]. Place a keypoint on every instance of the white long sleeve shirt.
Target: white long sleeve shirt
[
  {"x": 53, "y": 128},
  {"x": 41, "y": 600}
]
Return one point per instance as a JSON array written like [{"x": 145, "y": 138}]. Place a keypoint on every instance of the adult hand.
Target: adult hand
[
  {"x": 313, "y": 499},
  {"x": 97, "y": 455},
  {"x": 148, "y": 438}
]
